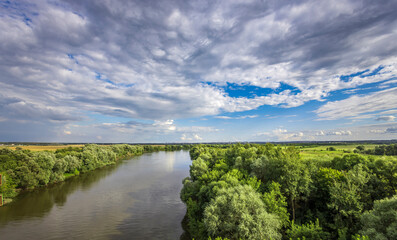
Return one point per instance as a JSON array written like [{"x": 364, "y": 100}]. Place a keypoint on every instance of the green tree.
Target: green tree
[
  {"x": 381, "y": 222},
  {"x": 309, "y": 231},
  {"x": 345, "y": 199},
  {"x": 276, "y": 203},
  {"x": 239, "y": 213},
  {"x": 198, "y": 168}
]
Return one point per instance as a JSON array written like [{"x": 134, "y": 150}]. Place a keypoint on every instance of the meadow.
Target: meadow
[
  {"x": 328, "y": 152},
  {"x": 36, "y": 148}
]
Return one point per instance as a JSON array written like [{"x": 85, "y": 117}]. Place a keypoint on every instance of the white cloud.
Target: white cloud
[
  {"x": 340, "y": 133},
  {"x": 238, "y": 117},
  {"x": 320, "y": 133},
  {"x": 377, "y": 131},
  {"x": 190, "y": 138},
  {"x": 280, "y": 134},
  {"x": 356, "y": 105},
  {"x": 63, "y": 60},
  {"x": 197, "y": 137},
  {"x": 67, "y": 132},
  {"x": 184, "y": 138}
]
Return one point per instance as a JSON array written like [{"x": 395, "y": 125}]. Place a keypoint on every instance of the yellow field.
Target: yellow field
[{"x": 43, "y": 148}]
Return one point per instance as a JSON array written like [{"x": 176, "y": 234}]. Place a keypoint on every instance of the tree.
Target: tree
[
  {"x": 360, "y": 148},
  {"x": 309, "y": 231},
  {"x": 275, "y": 203},
  {"x": 239, "y": 213},
  {"x": 348, "y": 161},
  {"x": 198, "y": 168},
  {"x": 345, "y": 198},
  {"x": 295, "y": 180},
  {"x": 381, "y": 222}
]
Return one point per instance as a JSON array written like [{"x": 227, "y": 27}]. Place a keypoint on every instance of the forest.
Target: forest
[
  {"x": 257, "y": 191},
  {"x": 23, "y": 169},
  {"x": 249, "y": 191}
]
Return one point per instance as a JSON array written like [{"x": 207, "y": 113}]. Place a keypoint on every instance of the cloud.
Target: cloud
[
  {"x": 340, "y": 133},
  {"x": 184, "y": 138},
  {"x": 385, "y": 118},
  {"x": 391, "y": 130},
  {"x": 377, "y": 131},
  {"x": 320, "y": 133},
  {"x": 356, "y": 105},
  {"x": 67, "y": 132},
  {"x": 152, "y": 61},
  {"x": 238, "y": 117},
  {"x": 190, "y": 138},
  {"x": 197, "y": 137},
  {"x": 168, "y": 124},
  {"x": 280, "y": 134},
  {"x": 149, "y": 62}
]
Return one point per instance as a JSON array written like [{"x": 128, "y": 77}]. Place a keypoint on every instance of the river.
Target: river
[{"x": 137, "y": 198}]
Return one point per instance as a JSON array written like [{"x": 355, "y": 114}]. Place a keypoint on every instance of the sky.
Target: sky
[{"x": 197, "y": 71}]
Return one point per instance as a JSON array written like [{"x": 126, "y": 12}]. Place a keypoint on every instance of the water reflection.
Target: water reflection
[
  {"x": 39, "y": 202},
  {"x": 170, "y": 161},
  {"x": 137, "y": 199}
]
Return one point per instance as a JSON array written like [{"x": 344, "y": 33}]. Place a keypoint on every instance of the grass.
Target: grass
[
  {"x": 321, "y": 152},
  {"x": 42, "y": 148}
]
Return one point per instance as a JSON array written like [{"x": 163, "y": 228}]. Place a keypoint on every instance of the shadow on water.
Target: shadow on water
[
  {"x": 185, "y": 235},
  {"x": 38, "y": 202}
]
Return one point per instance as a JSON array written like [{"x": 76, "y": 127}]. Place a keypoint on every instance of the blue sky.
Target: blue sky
[{"x": 197, "y": 71}]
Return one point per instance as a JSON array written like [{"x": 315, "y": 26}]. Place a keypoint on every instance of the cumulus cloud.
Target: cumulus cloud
[
  {"x": 147, "y": 60},
  {"x": 61, "y": 60}
]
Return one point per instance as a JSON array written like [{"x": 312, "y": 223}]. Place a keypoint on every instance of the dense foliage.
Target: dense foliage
[
  {"x": 389, "y": 150},
  {"x": 269, "y": 192},
  {"x": 381, "y": 222},
  {"x": 24, "y": 169}
]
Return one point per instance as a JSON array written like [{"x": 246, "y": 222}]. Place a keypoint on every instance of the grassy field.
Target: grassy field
[
  {"x": 41, "y": 148},
  {"x": 321, "y": 152}
]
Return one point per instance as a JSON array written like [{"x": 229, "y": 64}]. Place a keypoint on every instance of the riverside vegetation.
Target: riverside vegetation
[
  {"x": 249, "y": 191},
  {"x": 256, "y": 191},
  {"x": 23, "y": 169}
]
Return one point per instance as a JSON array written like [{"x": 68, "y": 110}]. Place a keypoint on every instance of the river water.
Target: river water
[{"x": 137, "y": 198}]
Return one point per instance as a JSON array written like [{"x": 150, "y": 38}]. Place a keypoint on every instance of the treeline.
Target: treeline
[
  {"x": 24, "y": 169},
  {"x": 388, "y": 150},
  {"x": 268, "y": 192}
]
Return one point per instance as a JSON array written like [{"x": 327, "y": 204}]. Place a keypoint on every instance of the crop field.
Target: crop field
[{"x": 41, "y": 148}]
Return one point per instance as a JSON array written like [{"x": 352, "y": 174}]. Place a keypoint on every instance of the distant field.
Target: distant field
[
  {"x": 42, "y": 148},
  {"x": 316, "y": 152}
]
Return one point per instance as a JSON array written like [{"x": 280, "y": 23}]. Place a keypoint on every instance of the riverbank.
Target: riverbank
[
  {"x": 23, "y": 169},
  {"x": 136, "y": 197}
]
